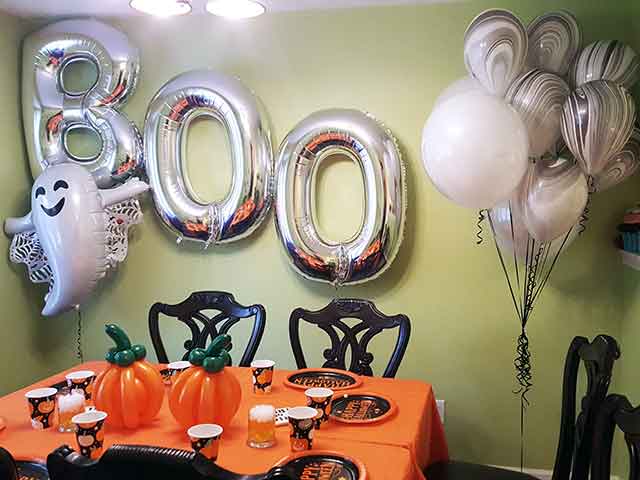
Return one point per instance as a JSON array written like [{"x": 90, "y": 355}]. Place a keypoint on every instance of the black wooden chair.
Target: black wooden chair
[
  {"x": 190, "y": 312},
  {"x": 139, "y": 462},
  {"x": 573, "y": 456},
  {"x": 372, "y": 322},
  {"x": 616, "y": 412},
  {"x": 8, "y": 468}
]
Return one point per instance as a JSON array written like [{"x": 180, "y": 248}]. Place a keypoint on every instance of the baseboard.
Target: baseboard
[
  {"x": 540, "y": 473},
  {"x": 535, "y": 472}
]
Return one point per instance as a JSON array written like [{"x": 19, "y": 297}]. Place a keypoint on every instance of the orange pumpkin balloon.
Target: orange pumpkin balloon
[
  {"x": 198, "y": 396},
  {"x": 130, "y": 390}
]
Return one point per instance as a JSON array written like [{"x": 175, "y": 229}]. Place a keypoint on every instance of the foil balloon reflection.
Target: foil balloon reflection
[
  {"x": 74, "y": 232},
  {"x": 52, "y": 109},
  {"x": 364, "y": 140},
  {"x": 207, "y": 94}
]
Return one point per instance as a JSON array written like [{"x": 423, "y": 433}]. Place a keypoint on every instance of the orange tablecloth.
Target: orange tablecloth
[{"x": 398, "y": 448}]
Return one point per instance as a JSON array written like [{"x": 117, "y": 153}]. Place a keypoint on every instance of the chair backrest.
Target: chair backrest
[
  {"x": 573, "y": 457},
  {"x": 345, "y": 338},
  {"x": 8, "y": 469},
  {"x": 203, "y": 327},
  {"x": 141, "y": 462},
  {"x": 616, "y": 411}
]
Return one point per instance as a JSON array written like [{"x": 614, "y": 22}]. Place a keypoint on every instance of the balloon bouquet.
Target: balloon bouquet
[{"x": 535, "y": 129}]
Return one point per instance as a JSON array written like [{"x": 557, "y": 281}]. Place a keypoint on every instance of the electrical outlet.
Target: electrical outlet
[{"x": 440, "y": 406}]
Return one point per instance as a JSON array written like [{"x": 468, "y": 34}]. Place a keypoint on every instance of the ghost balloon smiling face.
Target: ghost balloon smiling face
[
  {"x": 68, "y": 225},
  {"x": 57, "y": 208}
]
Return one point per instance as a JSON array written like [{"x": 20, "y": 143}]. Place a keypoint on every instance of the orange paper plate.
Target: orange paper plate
[
  {"x": 362, "y": 408},
  {"x": 324, "y": 464},
  {"x": 331, "y": 378}
]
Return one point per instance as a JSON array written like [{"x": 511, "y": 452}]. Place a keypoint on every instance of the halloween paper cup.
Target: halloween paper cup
[
  {"x": 262, "y": 372},
  {"x": 90, "y": 432},
  {"x": 81, "y": 380},
  {"x": 301, "y": 421},
  {"x": 320, "y": 399},
  {"x": 42, "y": 404},
  {"x": 205, "y": 439}
]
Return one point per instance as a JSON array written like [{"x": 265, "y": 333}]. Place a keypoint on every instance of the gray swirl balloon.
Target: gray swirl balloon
[
  {"x": 538, "y": 97},
  {"x": 597, "y": 121},
  {"x": 624, "y": 164},
  {"x": 554, "y": 41},
  {"x": 51, "y": 110},
  {"x": 606, "y": 60},
  {"x": 553, "y": 197},
  {"x": 373, "y": 148},
  {"x": 495, "y": 49},
  {"x": 208, "y": 94}
]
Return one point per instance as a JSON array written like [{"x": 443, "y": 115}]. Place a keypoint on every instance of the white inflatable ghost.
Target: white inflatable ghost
[{"x": 65, "y": 239}]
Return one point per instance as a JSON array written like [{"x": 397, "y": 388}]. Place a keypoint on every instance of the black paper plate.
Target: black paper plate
[
  {"x": 362, "y": 408},
  {"x": 323, "y": 377},
  {"x": 323, "y": 465},
  {"x": 32, "y": 471}
]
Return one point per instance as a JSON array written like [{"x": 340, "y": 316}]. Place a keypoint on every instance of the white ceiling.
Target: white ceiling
[{"x": 47, "y": 8}]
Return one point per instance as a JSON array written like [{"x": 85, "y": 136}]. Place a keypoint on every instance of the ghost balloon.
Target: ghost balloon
[{"x": 73, "y": 233}]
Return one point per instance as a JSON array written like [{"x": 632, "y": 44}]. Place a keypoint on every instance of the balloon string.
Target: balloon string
[
  {"x": 504, "y": 268},
  {"x": 479, "y": 231},
  {"x": 584, "y": 218},
  {"x": 79, "y": 353},
  {"x": 522, "y": 363}
]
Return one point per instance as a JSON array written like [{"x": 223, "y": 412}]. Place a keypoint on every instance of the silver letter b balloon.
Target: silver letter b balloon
[
  {"x": 51, "y": 110},
  {"x": 204, "y": 93},
  {"x": 373, "y": 148}
]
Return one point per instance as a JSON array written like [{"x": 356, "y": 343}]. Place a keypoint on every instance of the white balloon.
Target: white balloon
[
  {"x": 474, "y": 149},
  {"x": 462, "y": 85}
]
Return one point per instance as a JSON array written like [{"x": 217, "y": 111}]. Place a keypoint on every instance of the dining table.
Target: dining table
[{"x": 398, "y": 447}]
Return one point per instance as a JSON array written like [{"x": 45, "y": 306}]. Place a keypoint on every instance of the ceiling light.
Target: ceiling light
[
  {"x": 161, "y": 8},
  {"x": 235, "y": 8}
]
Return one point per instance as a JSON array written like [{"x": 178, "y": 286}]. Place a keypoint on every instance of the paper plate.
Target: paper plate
[
  {"x": 322, "y": 464},
  {"x": 32, "y": 471},
  {"x": 362, "y": 408},
  {"x": 323, "y": 377}
]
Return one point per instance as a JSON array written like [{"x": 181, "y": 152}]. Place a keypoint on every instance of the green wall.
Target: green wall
[
  {"x": 627, "y": 381},
  {"x": 31, "y": 347},
  {"x": 392, "y": 62}
]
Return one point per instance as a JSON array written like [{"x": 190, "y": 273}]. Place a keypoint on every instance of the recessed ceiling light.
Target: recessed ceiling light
[
  {"x": 161, "y": 8},
  {"x": 235, "y": 8}
]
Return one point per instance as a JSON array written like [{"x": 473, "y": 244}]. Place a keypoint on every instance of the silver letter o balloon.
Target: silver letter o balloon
[
  {"x": 51, "y": 109},
  {"x": 360, "y": 137},
  {"x": 204, "y": 93}
]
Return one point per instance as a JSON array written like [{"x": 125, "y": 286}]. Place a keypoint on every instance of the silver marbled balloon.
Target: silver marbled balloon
[
  {"x": 538, "y": 97},
  {"x": 597, "y": 122},
  {"x": 495, "y": 49},
  {"x": 606, "y": 60},
  {"x": 624, "y": 164},
  {"x": 373, "y": 148},
  {"x": 553, "y": 197},
  {"x": 554, "y": 41}
]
